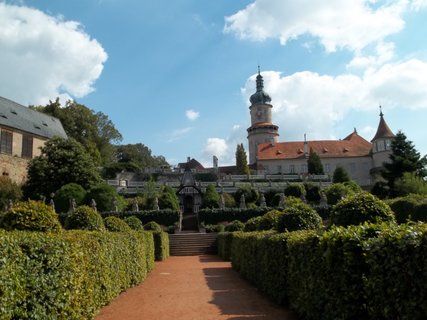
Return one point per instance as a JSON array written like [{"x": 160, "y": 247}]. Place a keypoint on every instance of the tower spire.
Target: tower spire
[{"x": 381, "y": 112}]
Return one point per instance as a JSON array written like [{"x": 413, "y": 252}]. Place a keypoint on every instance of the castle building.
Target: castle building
[
  {"x": 362, "y": 159},
  {"x": 22, "y": 134}
]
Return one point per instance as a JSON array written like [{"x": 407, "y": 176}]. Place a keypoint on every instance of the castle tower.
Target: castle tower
[
  {"x": 261, "y": 129},
  {"x": 381, "y": 143}
]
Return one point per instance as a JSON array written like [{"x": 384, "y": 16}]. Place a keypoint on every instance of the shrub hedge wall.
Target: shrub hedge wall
[
  {"x": 68, "y": 275},
  {"x": 161, "y": 245},
  {"x": 215, "y": 216},
  {"x": 166, "y": 217},
  {"x": 370, "y": 271}
]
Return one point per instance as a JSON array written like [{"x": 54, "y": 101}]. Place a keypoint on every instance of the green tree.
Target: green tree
[
  {"x": 168, "y": 199},
  {"x": 409, "y": 183},
  {"x": 137, "y": 156},
  {"x": 404, "y": 158},
  {"x": 61, "y": 161},
  {"x": 241, "y": 160},
  {"x": 95, "y": 131},
  {"x": 211, "y": 197},
  {"x": 340, "y": 175},
  {"x": 9, "y": 191},
  {"x": 314, "y": 164}
]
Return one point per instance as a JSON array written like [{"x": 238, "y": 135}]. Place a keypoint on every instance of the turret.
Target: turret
[{"x": 381, "y": 143}]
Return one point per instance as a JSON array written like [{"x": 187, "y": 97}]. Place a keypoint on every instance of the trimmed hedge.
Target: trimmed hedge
[
  {"x": 166, "y": 217},
  {"x": 161, "y": 245},
  {"x": 67, "y": 275},
  {"x": 215, "y": 216},
  {"x": 115, "y": 224},
  {"x": 224, "y": 245},
  {"x": 369, "y": 271}
]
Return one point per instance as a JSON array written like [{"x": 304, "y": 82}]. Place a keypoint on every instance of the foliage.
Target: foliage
[
  {"x": 104, "y": 196},
  {"x": 9, "y": 191},
  {"x": 403, "y": 207},
  {"x": 404, "y": 158},
  {"x": 295, "y": 190},
  {"x": 224, "y": 244},
  {"x": 32, "y": 216},
  {"x": 161, "y": 245},
  {"x": 210, "y": 198},
  {"x": 409, "y": 183},
  {"x": 269, "y": 220},
  {"x": 134, "y": 223},
  {"x": 241, "y": 160},
  {"x": 380, "y": 189},
  {"x": 229, "y": 200},
  {"x": 299, "y": 217},
  {"x": 420, "y": 212},
  {"x": 165, "y": 217},
  {"x": 66, "y": 193},
  {"x": 235, "y": 225},
  {"x": 359, "y": 208},
  {"x": 61, "y": 161},
  {"x": 337, "y": 191},
  {"x": 138, "y": 156},
  {"x": 214, "y": 228},
  {"x": 67, "y": 275},
  {"x": 168, "y": 199},
  {"x": 215, "y": 216},
  {"x": 312, "y": 192},
  {"x": 340, "y": 175},
  {"x": 314, "y": 164},
  {"x": 251, "y": 194},
  {"x": 84, "y": 218},
  {"x": 152, "y": 226},
  {"x": 93, "y": 130},
  {"x": 253, "y": 224},
  {"x": 115, "y": 224}
]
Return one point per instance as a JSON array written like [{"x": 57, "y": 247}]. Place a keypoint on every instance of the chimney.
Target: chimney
[
  {"x": 305, "y": 146},
  {"x": 188, "y": 159}
]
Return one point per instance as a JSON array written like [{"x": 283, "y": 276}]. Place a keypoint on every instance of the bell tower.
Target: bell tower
[
  {"x": 381, "y": 143},
  {"x": 262, "y": 129}
]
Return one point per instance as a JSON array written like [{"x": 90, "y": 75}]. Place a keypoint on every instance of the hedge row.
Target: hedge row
[
  {"x": 215, "y": 216},
  {"x": 165, "y": 217},
  {"x": 161, "y": 245},
  {"x": 359, "y": 272},
  {"x": 68, "y": 275}
]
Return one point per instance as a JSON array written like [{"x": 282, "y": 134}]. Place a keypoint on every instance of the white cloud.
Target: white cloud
[
  {"x": 42, "y": 57},
  {"x": 179, "y": 134},
  {"x": 192, "y": 115},
  {"x": 351, "y": 24},
  {"x": 216, "y": 147},
  {"x": 306, "y": 102}
]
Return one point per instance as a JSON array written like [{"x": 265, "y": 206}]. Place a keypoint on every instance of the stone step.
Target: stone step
[{"x": 187, "y": 244}]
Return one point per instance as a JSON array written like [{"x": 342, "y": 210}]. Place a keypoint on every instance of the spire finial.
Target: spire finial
[
  {"x": 259, "y": 70},
  {"x": 381, "y": 112}
]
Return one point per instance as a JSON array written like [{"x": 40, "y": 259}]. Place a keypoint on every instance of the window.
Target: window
[
  {"x": 6, "y": 141},
  {"x": 279, "y": 169},
  {"x": 327, "y": 167},
  {"x": 292, "y": 168},
  {"x": 27, "y": 146},
  {"x": 304, "y": 168}
]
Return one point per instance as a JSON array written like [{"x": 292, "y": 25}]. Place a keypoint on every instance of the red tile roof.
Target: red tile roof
[{"x": 351, "y": 146}]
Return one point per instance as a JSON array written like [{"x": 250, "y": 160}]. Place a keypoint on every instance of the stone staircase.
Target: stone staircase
[{"x": 192, "y": 243}]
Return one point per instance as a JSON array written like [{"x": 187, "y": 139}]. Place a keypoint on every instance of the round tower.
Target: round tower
[
  {"x": 381, "y": 143},
  {"x": 262, "y": 129}
]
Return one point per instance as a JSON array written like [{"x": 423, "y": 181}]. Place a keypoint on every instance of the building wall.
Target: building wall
[{"x": 358, "y": 168}]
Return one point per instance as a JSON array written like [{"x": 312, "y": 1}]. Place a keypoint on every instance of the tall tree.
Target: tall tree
[
  {"x": 340, "y": 175},
  {"x": 241, "y": 160},
  {"x": 404, "y": 158},
  {"x": 95, "y": 131},
  {"x": 314, "y": 164},
  {"x": 61, "y": 161},
  {"x": 138, "y": 155}
]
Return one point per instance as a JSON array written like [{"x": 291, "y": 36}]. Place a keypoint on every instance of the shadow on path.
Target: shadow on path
[{"x": 236, "y": 297}]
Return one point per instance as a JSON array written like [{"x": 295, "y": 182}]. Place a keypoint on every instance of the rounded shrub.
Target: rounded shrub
[
  {"x": 67, "y": 192},
  {"x": 104, "y": 195},
  {"x": 269, "y": 220},
  {"x": 251, "y": 195},
  {"x": 153, "y": 226},
  {"x": 337, "y": 191},
  {"x": 85, "y": 218},
  {"x": 115, "y": 224},
  {"x": 312, "y": 192},
  {"x": 299, "y": 217},
  {"x": 235, "y": 225},
  {"x": 252, "y": 224},
  {"x": 134, "y": 223},
  {"x": 295, "y": 190},
  {"x": 403, "y": 207},
  {"x": 420, "y": 212},
  {"x": 214, "y": 228},
  {"x": 32, "y": 216},
  {"x": 359, "y": 208}
]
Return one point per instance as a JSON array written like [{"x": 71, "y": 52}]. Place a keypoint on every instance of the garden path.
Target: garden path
[{"x": 193, "y": 287}]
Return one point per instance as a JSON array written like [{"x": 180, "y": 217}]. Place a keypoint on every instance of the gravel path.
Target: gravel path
[{"x": 193, "y": 287}]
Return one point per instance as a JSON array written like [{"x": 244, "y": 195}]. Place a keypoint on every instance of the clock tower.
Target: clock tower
[{"x": 261, "y": 129}]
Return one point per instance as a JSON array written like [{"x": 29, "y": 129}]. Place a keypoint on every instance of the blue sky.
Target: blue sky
[{"x": 176, "y": 75}]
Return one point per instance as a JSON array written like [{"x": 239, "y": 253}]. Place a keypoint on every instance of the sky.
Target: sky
[{"x": 177, "y": 75}]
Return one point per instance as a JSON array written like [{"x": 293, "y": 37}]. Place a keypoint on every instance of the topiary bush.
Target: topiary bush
[
  {"x": 67, "y": 192},
  {"x": 134, "y": 223},
  {"x": 420, "y": 212},
  {"x": 104, "y": 195},
  {"x": 337, "y": 191},
  {"x": 295, "y": 190},
  {"x": 152, "y": 226},
  {"x": 403, "y": 207},
  {"x": 252, "y": 224},
  {"x": 235, "y": 225},
  {"x": 115, "y": 224},
  {"x": 269, "y": 220},
  {"x": 210, "y": 228},
  {"x": 359, "y": 208},
  {"x": 32, "y": 216},
  {"x": 299, "y": 217},
  {"x": 312, "y": 192},
  {"x": 85, "y": 218}
]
